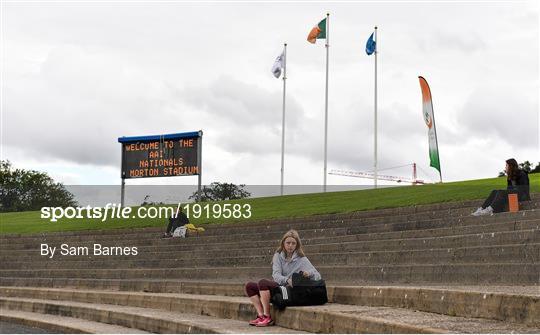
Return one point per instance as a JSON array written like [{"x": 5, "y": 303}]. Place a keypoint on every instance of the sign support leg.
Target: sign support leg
[
  {"x": 122, "y": 192},
  {"x": 199, "y": 160}
]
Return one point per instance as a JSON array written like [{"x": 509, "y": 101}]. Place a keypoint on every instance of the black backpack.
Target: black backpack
[{"x": 305, "y": 292}]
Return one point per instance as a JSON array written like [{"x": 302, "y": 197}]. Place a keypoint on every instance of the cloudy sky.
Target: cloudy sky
[{"x": 76, "y": 75}]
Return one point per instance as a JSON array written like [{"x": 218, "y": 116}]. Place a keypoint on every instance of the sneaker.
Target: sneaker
[
  {"x": 265, "y": 322},
  {"x": 255, "y": 321},
  {"x": 488, "y": 210},
  {"x": 478, "y": 212}
]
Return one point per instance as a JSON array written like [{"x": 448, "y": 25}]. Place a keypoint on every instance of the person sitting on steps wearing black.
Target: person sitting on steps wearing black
[
  {"x": 518, "y": 183},
  {"x": 175, "y": 221}
]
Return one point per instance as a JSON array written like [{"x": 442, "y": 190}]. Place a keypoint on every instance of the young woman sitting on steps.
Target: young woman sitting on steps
[
  {"x": 288, "y": 259},
  {"x": 517, "y": 183}
]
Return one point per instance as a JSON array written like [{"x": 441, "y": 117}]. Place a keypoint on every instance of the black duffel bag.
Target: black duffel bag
[{"x": 304, "y": 292}]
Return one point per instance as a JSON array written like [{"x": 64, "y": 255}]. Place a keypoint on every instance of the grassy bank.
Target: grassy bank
[{"x": 285, "y": 206}]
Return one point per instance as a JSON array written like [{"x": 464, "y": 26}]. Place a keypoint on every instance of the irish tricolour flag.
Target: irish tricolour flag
[
  {"x": 427, "y": 110},
  {"x": 318, "y": 32}
]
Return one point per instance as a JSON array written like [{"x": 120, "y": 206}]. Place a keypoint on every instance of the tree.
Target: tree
[
  {"x": 525, "y": 166},
  {"x": 27, "y": 190},
  {"x": 536, "y": 169},
  {"x": 221, "y": 191},
  {"x": 147, "y": 202}
]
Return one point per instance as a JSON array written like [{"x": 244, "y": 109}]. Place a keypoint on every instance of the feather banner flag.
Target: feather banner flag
[
  {"x": 318, "y": 32},
  {"x": 429, "y": 119},
  {"x": 278, "y": 65}
]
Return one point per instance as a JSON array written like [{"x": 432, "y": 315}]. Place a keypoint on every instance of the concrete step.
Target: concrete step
[
  {"x": 490, "y": 238},
  {"x": 452, "y": 241},
  {"x": 330, "y": 318},
  {"x": 459, "y": 213},
  {"x": 220, "y": 232},
  {"x": 435, "y": 245},
  {"x": 514, "y": 253},
  {"x": 307, "y": 235},
  {"x": 147, "y": 319},
  {"x": 228, "y": 251},
  {"x": 455, "y": 241},
  {"x": 469, "y": 273},
  {"x": 7, "y": 327},
  {"x": 518, "y": 304},
  {"x": 348, "y": 227},
  {"x": 465, "y": 302},
  {"x": 232, "y": 287},
  {"x": 63, "y": 324},
  {"x": 389, "y": 212}
]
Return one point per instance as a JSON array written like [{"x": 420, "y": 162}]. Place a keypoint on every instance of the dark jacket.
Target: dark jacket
[
  {"x": 177, "y": 221},
  {"x": 520, "y": 185}
]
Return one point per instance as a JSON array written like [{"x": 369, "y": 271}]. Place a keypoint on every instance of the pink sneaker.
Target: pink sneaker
[
  {"x": 255, "y": 321},
  {"x": 265, "y": 322}
]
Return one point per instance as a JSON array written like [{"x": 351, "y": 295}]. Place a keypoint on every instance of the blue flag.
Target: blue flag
[{"x": 371, "y": 45}]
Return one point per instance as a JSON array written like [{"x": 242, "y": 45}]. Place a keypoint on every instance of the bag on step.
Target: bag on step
[
  {"x": 180, "y": 232},
  {"x": 304, "y": 292},
  {"x": 191, "y": 229}
]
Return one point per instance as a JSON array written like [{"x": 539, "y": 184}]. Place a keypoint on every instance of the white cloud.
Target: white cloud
[{"x": 79, "y": 75}]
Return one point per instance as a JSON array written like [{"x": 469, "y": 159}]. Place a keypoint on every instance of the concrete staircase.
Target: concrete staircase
[{"x": 423, "y": 269}]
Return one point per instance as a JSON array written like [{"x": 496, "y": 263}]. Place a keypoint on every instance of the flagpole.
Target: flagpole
[
  {"x": 283, "y": 118},
  {"x": 375, "y": 119},
  {"x": 326, "y": 99}
]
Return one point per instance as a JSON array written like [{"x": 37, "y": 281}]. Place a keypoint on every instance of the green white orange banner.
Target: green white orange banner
[
  {"x": 427, "y": 109},
  {"x": 318, "y": 32}
]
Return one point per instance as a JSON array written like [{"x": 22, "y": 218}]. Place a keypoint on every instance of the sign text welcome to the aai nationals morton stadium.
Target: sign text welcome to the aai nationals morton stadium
[{"x": 161, "y": 155}]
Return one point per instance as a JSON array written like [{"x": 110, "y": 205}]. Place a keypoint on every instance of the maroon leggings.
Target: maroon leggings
[{"x": 253, "y": 288}]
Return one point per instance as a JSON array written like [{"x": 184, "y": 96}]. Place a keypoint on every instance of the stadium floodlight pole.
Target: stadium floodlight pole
[
  {"x": 283, "y": 118},
  {"x": 326, "y": 99},
  {"x": 375, "y": 118}
]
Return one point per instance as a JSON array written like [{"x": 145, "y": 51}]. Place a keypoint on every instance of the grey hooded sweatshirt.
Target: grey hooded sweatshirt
[{"x": 282, "y": 270}]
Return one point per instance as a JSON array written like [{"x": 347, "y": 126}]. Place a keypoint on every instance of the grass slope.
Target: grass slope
[{"x": 285, "y": 206}]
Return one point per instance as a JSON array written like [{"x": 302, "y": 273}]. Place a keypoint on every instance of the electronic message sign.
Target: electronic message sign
[{"x": 161, "y": 155}]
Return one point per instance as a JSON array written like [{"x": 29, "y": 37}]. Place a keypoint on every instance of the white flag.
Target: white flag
[{"x": 278, "y": 65}]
